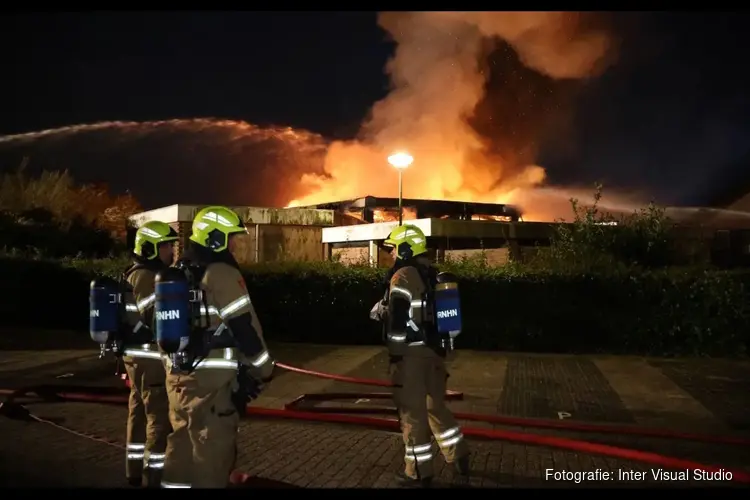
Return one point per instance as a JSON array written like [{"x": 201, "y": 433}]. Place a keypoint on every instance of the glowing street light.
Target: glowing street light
[{"x": 400, "y": 161}]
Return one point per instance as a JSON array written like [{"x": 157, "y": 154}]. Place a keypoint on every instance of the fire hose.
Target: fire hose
[{"x": 340, "y": 416}]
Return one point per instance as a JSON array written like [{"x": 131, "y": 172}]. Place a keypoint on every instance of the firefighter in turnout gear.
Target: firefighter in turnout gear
[
  {"x": 148, "y": 407},
  {"x": 417, "y": 367},
  {"x": 202, "y": 449}
]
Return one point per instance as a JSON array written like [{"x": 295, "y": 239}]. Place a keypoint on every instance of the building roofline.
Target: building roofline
[
  {"x": 373, "y": 202},
  {"x": 440, "y": 228},
  {"x": 252, "y": 215}
]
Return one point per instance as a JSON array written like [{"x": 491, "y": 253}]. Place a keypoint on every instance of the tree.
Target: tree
[{"x": 76, "y": 209}]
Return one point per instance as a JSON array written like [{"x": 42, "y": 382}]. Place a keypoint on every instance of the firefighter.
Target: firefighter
[
  {"x": 417, "y": 363},
  {"x": 201, "y": 451},
  {"x": 148, "y": 407}
]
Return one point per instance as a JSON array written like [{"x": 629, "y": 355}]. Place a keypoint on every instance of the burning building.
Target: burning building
[
  {"x": 454, "y": 229},
  {"x": 353, "y": 230},
  {"x": 372, "y": 209}
]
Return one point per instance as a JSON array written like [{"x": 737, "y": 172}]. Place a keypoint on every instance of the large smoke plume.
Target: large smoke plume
[
  {"x": 438, "y": 109},
  {"x": 474, "y": 97}
]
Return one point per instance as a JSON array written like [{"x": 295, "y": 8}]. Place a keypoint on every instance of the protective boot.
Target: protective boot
[
  {"x": 135, "y": 482},
  {"x": 461, "y": 471},
  {"x": 152, "y": 478},
  {"x": 412, "y": 482}
]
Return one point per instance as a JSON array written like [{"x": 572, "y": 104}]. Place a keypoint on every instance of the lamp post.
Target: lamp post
[{"x": 400, "y": 161}]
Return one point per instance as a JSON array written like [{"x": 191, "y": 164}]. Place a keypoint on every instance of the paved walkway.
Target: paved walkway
[{"x": 705, "y": 395}]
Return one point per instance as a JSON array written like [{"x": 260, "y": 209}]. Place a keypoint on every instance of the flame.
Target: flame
[
  {"x": 382, "y": 215},
  {"x": 356, "y": 170},
  {"x": 495, "y": 218}
]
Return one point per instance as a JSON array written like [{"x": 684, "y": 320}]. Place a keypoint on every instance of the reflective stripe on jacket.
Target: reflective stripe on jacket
[
  {"x": 226, "y": 297},
  {"x": 139, "y": 298},
  {"x": 407, "y": 285}
]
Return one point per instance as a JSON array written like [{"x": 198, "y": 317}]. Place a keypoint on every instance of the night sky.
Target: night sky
[{"x": 670, "y": 118}]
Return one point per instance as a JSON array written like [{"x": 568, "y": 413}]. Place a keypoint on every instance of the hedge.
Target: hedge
[{"x": 672, "y": 312}]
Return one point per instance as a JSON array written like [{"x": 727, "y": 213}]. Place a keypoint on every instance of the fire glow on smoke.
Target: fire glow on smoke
[
  {"x": 468, "y": 144},
  {"x": 439, "y": 78}
]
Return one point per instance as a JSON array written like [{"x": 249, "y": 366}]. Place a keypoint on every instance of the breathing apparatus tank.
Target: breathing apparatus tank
[
  {"x": 105, "y": 304},
  {"x": 447, "y": 308},
  {"x": 172, "y": 311}
]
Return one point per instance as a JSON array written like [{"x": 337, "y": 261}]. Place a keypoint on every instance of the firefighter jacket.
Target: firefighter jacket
[
  {"x": 139, "y": 301},
  {"x": 408, "y": 310},
  {"x": 232, "y": 316}
]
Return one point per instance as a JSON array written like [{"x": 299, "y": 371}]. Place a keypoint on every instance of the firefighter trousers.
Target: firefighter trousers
[
  {"x": 419, "y": 379},
  {"x": 148, "y": 419},
  {"x": 202, "y": 448}
]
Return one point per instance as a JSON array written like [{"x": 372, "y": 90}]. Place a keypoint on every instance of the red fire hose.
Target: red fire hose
[
  {"x": 101, "y": 395},
  {"x": 331, "y": 376},
  {"x": 494, "y": 419}
]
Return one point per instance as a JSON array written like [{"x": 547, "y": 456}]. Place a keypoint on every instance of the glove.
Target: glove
[
  {"x": 270, "y": 376},
  {"x": 253, "y": 388},
  {"x": 248, "y": 389},
  {"x": 378, "y": 311}
]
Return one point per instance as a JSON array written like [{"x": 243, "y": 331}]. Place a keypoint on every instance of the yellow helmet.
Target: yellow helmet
[
  {"x": 149, "y": 236},
  {"x": 213, "y": 225},
  {"x": 408, "y": 240}
]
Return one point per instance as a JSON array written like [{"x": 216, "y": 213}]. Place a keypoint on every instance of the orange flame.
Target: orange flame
[
  {"x": 438, "y": 83},
  {"x": 356, "y": 170}
]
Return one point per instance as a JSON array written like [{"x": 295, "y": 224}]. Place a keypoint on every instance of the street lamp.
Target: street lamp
[{"x": 400, "y": 161}]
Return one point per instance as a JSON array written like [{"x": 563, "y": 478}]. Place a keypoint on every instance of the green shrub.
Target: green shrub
[
  {"x": 662, "y": 312},
  {"x": 599, "y": 242}
]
